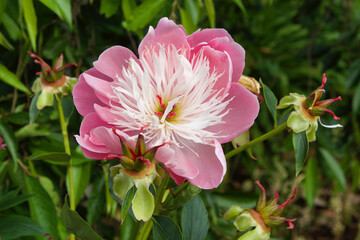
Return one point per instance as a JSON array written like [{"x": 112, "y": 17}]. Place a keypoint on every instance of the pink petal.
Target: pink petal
[
  {"x": 179, "y": 161},
  {"x": 221, "y": 63},
  {"x": 166, "y": 32},
  {"x": 244, "y": 109},
  {"x": 221, "y": 40},
  {"x": 113, "y": 60},
  {"x": 107, "y": 115},
  {"x": 211, "y": 162},
  {"x": 84, "y": 95},
  {"x": 206, "y": 35},
  {"x": 103, "y": 89},
  {"x": 109, "y": 139},
  {"x": 236, "y": 52}
]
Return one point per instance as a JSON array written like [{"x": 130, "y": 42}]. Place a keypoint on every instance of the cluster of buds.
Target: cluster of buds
[
  {"x": 51, "y": 81},
  {"x": 255, "y": 224},
  {"x": 136, "y": 168},
  {"x": 308, "y": 111}
]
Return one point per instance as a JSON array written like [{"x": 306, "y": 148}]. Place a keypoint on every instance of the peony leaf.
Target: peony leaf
[
  {"x": 210, "y": 9},
  {"x": 81, "y": 174},
  {"x": 30, "y": 20},
  {"x": 42, "y": 208},
  {"x": 194, "y": 220},
  {"x": 59, "y": 158},
  {"x": 97, "y": 200},
  {"x": 166, "y": 229},
  {"x": 9, "y": 139},
  {"x": 126, "y": 204},
  {"x": 334, "y": 167},
  {"x": 301, "y": 148},
  {"x": 76, "y": 225},
  {"x": 11, "y": 79},
  {"x": 16, "y": 226},
  {"x": 33, "y": 110},
  {"x": 270, "y": 100}
]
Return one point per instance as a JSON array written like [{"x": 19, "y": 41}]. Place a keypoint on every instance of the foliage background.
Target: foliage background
[{"x": 289, "y": 44}]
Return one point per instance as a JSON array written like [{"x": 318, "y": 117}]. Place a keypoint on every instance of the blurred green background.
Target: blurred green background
[{"x": 289, "y": 45}]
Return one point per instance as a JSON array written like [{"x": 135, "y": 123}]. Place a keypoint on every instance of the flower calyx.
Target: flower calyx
[
  {"x": 55, "y": 76},
  {"x": 135, "y": 162},
  {"x": 308, "y": 111},
  {"x": 51, "y": 81},
  {"x": 270, "y": 211},
  {"x": 256, "y": 223}
]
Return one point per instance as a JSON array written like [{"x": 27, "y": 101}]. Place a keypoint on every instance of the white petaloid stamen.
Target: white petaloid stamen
[
  {"x": 185, "y": 87},
  {"x": 330, "y": 126}
]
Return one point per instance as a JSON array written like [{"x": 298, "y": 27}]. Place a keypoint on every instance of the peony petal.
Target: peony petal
[
  {"x": 180, "y": 162},
  {"x": 113, "y": 60},
  {"x": 166, "y": 32},
  {"x": 206, "y": 35},
  {"x": 243, "y": 110},
  {"x": 221, "y": 63},
  {"x": 109, "y": 139},
  {"x": 236, "y": 53},
  {"x": 84, "y": 95},
  {"x": 221, "y": 40},
  {"x": 211, "y": 162},
  {"x": 103, "y": 89}
]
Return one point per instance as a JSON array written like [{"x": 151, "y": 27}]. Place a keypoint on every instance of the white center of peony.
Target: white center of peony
[{"x": 175, "y": 97}]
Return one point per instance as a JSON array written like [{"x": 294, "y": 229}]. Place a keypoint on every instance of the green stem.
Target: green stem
[
  {"x": 262, "y": 138},
  {"x": 160, "y": 193},
  {"x": 145, "y": 230},
  {"x": 64, "y": 132}
]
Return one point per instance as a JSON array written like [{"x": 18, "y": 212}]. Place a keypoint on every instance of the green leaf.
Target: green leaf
[
  {"x": 126, "y": 203},
  {"x": 11, "y": 79},
  {"x": 30, "y": 20},
  {"x": 187, "y": 22},
  {"x": 97, "y": 200},
  {"x": 16, "y": 226},
  {"x": 127, "y": 7},
  {"x": 143, "y": 14},
  {"x": 301, "y": 148},
  {"x": 2, "y": 9},
  {"x": 59, "y": 158},
  {"x": 209, "y": 5},
  {"x": 270, "y": 100},
  {"x": 3, "y": 168},
  {"x": 127, "y": 228},
  {"x": 76, "y": 225},
  {"x": 311, "y": 182},
  {"x": 34, "y": 111},
  {"x": 9, "y": 138},
  {"x": 5, "y": 43},
  {"x": 109, "y": 7},
  {"x": 42, "y": 208},
  {"x": 11, "y": 27},
  {"x": 62, "y": 8},
  {"x": 9, "y": 200},
  {"x": 68, "y": 108},
  {"x": 81, "y": 175},
  {"x": 166, "y": 229},
  {"x": 334, "y": 167},
  {"x": 240, "y": 4},
  {"x": 194, "y": 220}
]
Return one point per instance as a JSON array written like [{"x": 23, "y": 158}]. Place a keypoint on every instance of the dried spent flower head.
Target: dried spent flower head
[{"x": 308, "y": 111}]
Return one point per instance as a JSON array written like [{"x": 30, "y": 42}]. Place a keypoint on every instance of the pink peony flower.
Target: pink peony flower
[{"x": 184, "y": 89}]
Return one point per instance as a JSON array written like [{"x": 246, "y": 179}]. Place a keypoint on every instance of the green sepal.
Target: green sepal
[
  {"x": 127, "y": 162},
  {"x": 298, "y": 122},
  {"x": 45, "y": 99},
  {"x": 233, "y": 212},
  {"x": 292, "y": 99},
  {"x": 122, "y": 184},
  {"x": 143, "y": 202},
  {"x": 140, "y": 148},
  {"x": 244, "y": 221},
  {"x": 127, "y": 149}
]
